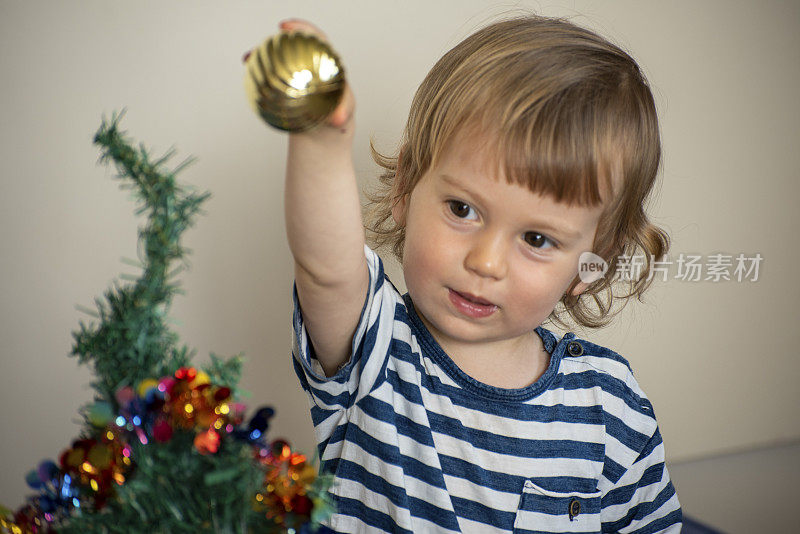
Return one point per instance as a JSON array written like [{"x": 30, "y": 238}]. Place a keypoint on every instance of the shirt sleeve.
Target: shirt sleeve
[
  {"x": 643, "y": 500},
  {"x": 331, "y": 397}
]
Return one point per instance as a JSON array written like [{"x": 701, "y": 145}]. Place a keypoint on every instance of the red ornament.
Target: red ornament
[
  {"x": 301, "y": 505},
  {"x": 162, "y": 431},
  {"x": 186, "y": 373},
  {"x": 221, "y": 394}
]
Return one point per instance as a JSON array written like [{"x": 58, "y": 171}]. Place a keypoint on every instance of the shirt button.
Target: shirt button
[
  {"x": 574, "y": 348},
  {"x": 574, "y": 509}
]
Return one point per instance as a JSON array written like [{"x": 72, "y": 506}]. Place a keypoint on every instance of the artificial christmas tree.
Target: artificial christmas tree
[{"x": 165, "y": 447}]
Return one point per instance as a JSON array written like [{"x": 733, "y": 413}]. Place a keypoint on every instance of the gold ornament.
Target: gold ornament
[{"x": 294, "y": 80}]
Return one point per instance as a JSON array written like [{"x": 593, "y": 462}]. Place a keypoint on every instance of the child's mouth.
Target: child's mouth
[{"x": 470, "y": 305}]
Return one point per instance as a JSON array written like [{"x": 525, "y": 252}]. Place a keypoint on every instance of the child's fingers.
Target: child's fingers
[
  {"x": 295, "y": 25},
  {"x": 302, "y": 25},
  {"x": 344, "y": 111}
]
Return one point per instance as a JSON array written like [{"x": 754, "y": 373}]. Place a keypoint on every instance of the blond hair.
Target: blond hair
[{"x": 567, "y": 114}]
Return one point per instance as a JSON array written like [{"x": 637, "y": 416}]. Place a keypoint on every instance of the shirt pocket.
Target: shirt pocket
[{"x": 542, "y": 510}]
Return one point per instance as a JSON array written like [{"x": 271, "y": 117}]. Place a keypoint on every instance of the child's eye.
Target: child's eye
[
  {"x": 462, "y": 210},
  {"x": 537, "y": 240}
]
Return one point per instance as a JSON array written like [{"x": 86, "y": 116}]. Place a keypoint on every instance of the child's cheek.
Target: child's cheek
[
  {"x": 416, "y": 263},
  {"x": 423, "y": 260}
]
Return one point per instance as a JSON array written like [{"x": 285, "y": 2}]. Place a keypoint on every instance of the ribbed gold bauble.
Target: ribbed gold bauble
[{"x": 294, "y": 80}]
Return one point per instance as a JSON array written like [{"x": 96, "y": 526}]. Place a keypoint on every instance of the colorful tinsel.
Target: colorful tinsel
[{"x": 92, "y": 466}]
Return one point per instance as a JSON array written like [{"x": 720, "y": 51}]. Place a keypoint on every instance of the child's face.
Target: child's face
[{"x": 485, "y": 260}]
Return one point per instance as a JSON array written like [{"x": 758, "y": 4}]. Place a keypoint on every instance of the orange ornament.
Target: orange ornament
[{"x": 207, "y": 442}]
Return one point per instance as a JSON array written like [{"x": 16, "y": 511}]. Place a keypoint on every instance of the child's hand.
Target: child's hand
[{"x": 342, "y": 116}]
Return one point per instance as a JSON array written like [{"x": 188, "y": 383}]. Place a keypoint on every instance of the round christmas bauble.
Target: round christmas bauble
[{"x": 294, "y": 80}]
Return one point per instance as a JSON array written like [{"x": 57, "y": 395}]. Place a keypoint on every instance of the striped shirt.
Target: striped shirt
[{"x": 416, "y": 445}]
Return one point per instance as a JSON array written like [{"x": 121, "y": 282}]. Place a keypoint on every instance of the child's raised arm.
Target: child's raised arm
[{"x": 324, "y": 229}]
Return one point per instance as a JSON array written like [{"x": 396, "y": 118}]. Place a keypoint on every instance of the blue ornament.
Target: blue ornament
[{"x": 260, "y": 421}]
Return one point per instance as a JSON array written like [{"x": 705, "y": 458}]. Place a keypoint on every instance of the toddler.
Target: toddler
[{"x": 451, "y": 408}]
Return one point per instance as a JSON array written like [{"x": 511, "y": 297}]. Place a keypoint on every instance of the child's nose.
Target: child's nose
[{"x": 487, "y": 257}]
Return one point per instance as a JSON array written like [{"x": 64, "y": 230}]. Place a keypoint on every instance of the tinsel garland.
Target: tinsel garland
[{"x": 165, "y": 447}]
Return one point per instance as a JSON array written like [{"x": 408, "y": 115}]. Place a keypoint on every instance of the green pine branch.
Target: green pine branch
[{"x": 132, "y": 341}]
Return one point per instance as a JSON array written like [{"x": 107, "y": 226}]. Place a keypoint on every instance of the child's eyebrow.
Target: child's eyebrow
[
  {"x": 562, "y": 232},
  {"x": 449, "y": 180}
]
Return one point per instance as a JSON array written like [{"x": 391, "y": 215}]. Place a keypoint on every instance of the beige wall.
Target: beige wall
[{"x": 719, "y": 359}]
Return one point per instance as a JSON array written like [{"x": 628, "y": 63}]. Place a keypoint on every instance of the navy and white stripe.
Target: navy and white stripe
[{"x": 417, "y": 445}]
